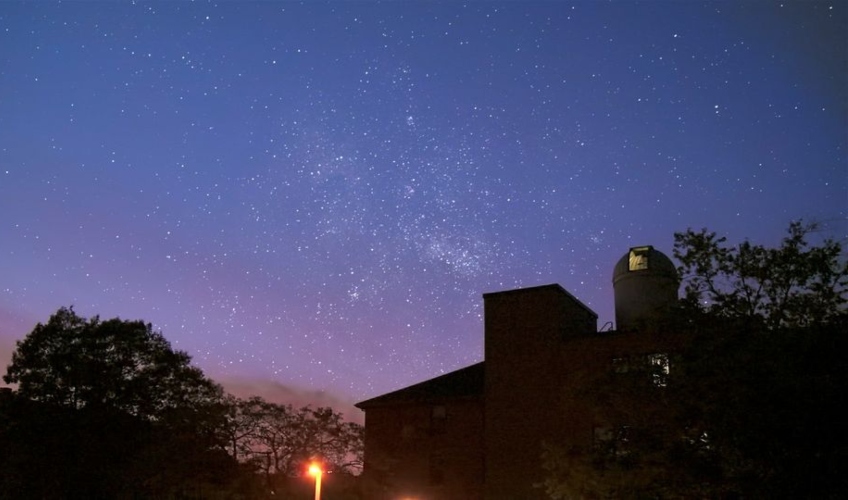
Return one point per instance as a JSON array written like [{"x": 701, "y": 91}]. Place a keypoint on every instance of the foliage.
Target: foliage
[
  {"x": 752, "y": 405},
  {"x": 794, "y": 285},
  {"x": 638, "y": 447},
  {"x": 52, "y": 451},
  {"x": 771, "y": 404},
  {"x": 125, "y": 365},
  {"x": 749, "y": 414},
  {"x": 106, "y": 409},
  {"x": 279, "y": 440},
  {"x": 569, "y": 475}
]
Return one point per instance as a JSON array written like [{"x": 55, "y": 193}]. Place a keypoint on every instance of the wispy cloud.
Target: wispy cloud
[{"x": 277, "y": 392}]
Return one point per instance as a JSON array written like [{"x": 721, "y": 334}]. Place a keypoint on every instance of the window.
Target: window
[
  {"x": 437, "y": 468},
  {"x": 407, "y": 432},
  {"x": 612, "y": 442},
  {"x": 639, "y": 258},
  {"x": 657, "y": 364},
  {"x": 439, "y": 412},
  {"x": 700, "y": 441},
  {"x": 659, "y": 368},
  {"x": 602, "y": 436},
  {"x": 438, "y": 416}
]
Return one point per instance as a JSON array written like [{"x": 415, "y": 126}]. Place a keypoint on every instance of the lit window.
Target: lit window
[
  {"x": 659, "y": 368},
  {"x": 657, "y": 365},
  {"x": 639, "y": 258}
]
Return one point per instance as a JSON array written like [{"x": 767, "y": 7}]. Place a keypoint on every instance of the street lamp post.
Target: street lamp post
[{"x": 316, "y": 471}]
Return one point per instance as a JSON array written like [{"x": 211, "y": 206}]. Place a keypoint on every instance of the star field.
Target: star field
[{"x": 317, "y": 194}]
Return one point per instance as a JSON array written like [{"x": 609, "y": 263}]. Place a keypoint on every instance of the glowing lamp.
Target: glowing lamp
[{"x": 315, "y": 470}]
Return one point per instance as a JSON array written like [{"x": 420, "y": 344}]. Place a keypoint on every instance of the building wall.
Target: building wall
[
  {"x": 525, "y": 333},
  {"x": 543, "y": 360},
  {"x": 645, "y": 289},
  {"x": 593, "y": 361},
  {"x": 424, "y": 451}
]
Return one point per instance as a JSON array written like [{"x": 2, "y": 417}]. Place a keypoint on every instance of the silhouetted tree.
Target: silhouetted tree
[
  {"x": 337, "y": 443},
  {"x": 241, "y": 425},
  {"x": 752, "y": 405},
  {"x": 107, "y": 409},
  {"x": 76, "y": 362},
  {"x": 279, "y": 440},
  {"x": 794, "y": 285}
]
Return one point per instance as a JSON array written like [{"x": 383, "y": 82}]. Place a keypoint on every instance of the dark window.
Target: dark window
[
  {"x": 612, "y": 442},
  {"x": 439, "y": 412},
  {"x": 437, "y": 468},
  {"x": 438, "y": 416},
  {"x": 601, "y": 436},
  {"x": 407, "y": 432}
]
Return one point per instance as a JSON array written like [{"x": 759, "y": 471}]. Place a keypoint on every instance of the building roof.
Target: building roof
[
  {"x": 553, "y": 286},
  {"x": 463, "y": 383},
  {"x": 657, "y": 264}
]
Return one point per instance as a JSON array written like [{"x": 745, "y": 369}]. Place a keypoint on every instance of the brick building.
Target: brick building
[{"x": 477, "y": 433}]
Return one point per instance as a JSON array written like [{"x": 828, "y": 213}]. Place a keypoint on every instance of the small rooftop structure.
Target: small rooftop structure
[{"x": 645, "y": 284}]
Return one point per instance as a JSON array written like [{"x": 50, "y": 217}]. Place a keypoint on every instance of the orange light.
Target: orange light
[{"x": 314, "y": 470}]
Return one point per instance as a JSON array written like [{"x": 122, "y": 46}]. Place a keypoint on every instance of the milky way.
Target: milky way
[{"x": 317, "y": 195}]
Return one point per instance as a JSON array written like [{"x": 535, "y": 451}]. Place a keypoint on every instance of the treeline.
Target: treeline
[
  {"x": 752, "y": 402},
  {"x": 108, "y": 410},
  {"x": 278, "y": 440},
  {"x": 740, "y": 414}
]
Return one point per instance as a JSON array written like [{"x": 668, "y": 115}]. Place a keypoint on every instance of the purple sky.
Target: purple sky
[{"x": 312, "y": 197}]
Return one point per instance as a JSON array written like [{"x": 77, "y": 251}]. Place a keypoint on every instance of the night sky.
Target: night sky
[{"x": 311, "y": 198}]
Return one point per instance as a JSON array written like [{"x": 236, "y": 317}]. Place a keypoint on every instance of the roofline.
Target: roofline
[
  {"x": 387, "y": 397},
  {"x": 376, "y": 403},
  {"x": 554, "y": 286}
]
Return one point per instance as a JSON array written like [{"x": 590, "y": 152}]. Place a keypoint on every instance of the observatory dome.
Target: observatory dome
[
  {"x": 645, "y": 284},
  {"x": 644, "y": 259}
]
